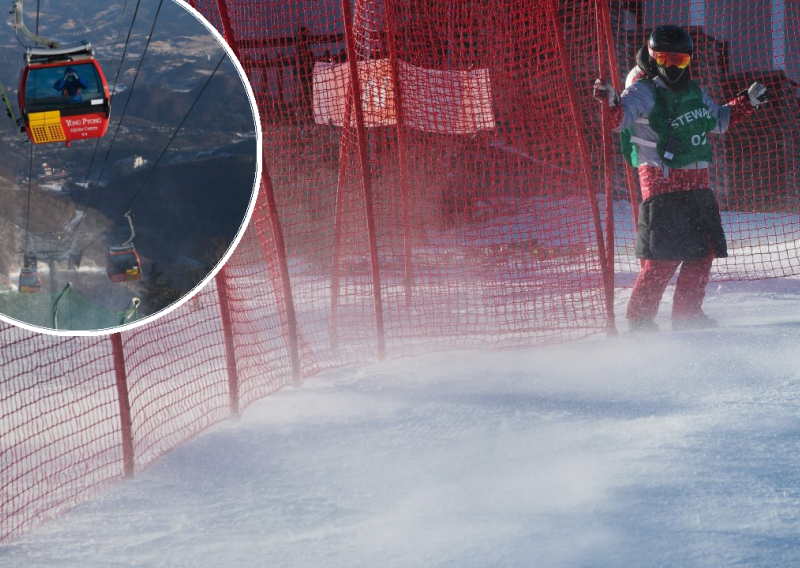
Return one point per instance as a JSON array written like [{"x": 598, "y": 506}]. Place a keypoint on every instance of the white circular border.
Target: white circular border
[{"x": 231, "y": 248}]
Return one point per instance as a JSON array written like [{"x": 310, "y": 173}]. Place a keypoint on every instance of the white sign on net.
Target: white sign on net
[{"x": 447, "y": 102}]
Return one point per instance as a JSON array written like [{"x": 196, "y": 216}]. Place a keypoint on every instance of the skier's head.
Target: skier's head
[
  {"x": 645, "y": 62},
  {"x": 670, "y": 48}
]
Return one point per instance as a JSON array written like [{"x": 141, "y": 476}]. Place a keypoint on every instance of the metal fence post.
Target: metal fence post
[
  {"x": 126, "y": 425},
  {"x": 227, "y": 332}
]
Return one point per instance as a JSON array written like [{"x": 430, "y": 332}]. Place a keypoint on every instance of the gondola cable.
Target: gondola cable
[
  {"x": 122, "y": 116},
  {"x": 164, "y": 151},
  {"x": 74, "y": 233},
  {"x": 113, "y": 91},
  {"x": 28, "y": 211},
  {"x": 30, "y": 169},
  {"x": 26, "y": 260}
]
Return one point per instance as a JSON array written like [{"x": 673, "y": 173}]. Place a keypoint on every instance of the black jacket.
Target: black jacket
[{"x": 683, "y": 225}]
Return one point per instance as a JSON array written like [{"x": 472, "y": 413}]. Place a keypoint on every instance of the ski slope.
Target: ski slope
[{"x": 674, "y": 449}]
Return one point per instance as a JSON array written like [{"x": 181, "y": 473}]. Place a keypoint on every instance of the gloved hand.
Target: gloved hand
[
  {"x": 604, "y": 91},
  {"x": 757, "y": 93}
]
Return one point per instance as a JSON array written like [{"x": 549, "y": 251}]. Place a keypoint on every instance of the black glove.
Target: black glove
[{"x": 604, "y": 91}]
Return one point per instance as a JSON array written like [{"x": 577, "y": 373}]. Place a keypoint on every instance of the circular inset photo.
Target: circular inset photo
[{"x": 132, "y": 155}]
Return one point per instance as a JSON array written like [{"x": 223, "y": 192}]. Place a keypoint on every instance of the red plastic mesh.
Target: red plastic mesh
[
  {"x": 470, "y": 251},
  {"x": 465, "y": 174},
  {"x": 59, "y": 425},
  {"x": 177, "y": 376},
  {"x": 261, "y": 351}
]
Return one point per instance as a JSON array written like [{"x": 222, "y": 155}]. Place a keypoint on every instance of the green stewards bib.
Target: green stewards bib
[{"x": 682, "y": 116}]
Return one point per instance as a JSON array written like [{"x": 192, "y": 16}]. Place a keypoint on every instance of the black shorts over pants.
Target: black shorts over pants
[{"x": 683, "y": 225}]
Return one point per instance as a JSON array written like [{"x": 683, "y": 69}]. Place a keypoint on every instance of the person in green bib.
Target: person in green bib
[{"x": 665, "y": 119}]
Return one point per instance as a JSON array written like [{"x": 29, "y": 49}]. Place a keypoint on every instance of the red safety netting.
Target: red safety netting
[
  {"x": 425, "y": 190},
  {"x": 459, "y": 194},
  {"x": 59, "y": 425}
]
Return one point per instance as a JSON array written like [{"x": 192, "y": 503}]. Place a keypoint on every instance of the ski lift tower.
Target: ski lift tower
[{"x": 53, "y": 248}]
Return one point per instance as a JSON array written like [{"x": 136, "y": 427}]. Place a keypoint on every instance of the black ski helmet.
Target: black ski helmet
[{"x": 672, "y": 39}]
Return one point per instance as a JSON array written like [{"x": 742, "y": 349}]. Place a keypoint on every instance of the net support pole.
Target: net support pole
[
  {"x": 227, "y": 30},
  {"x": 405, "y": 193},
  {"x": 277, "y": 229},
  {"x": 51, "y": 262},
  {"x": 586, "y": 160},
  {"x": 292, "y": 330},
  {"x": 227, "y": 332},
  {"x": 366, "y": 177},
  {"x": 607, "y": 43},
  {"x": 605, "y": 125},
  {"x": 338, "y": 225},
  {"x": 126, "y": 425}
]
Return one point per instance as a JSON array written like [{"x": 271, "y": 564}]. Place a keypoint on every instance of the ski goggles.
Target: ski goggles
[{"x": 669, "y": 59}]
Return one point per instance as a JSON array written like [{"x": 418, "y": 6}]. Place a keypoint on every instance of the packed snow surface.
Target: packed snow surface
[{"x": 670, "y": 449}]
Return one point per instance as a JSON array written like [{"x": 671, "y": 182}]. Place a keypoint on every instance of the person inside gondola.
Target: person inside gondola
[{"x": 71, "y": 85}]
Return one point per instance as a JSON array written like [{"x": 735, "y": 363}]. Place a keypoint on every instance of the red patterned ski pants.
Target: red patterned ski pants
[{"x": 652, "y": 281}]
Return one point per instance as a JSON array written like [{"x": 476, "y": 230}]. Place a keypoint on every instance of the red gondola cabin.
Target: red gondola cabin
[
  {"x": 29, "y": 281},
  {"x": 123, "y": 264},
  {"x": 63, "y": 95}
]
